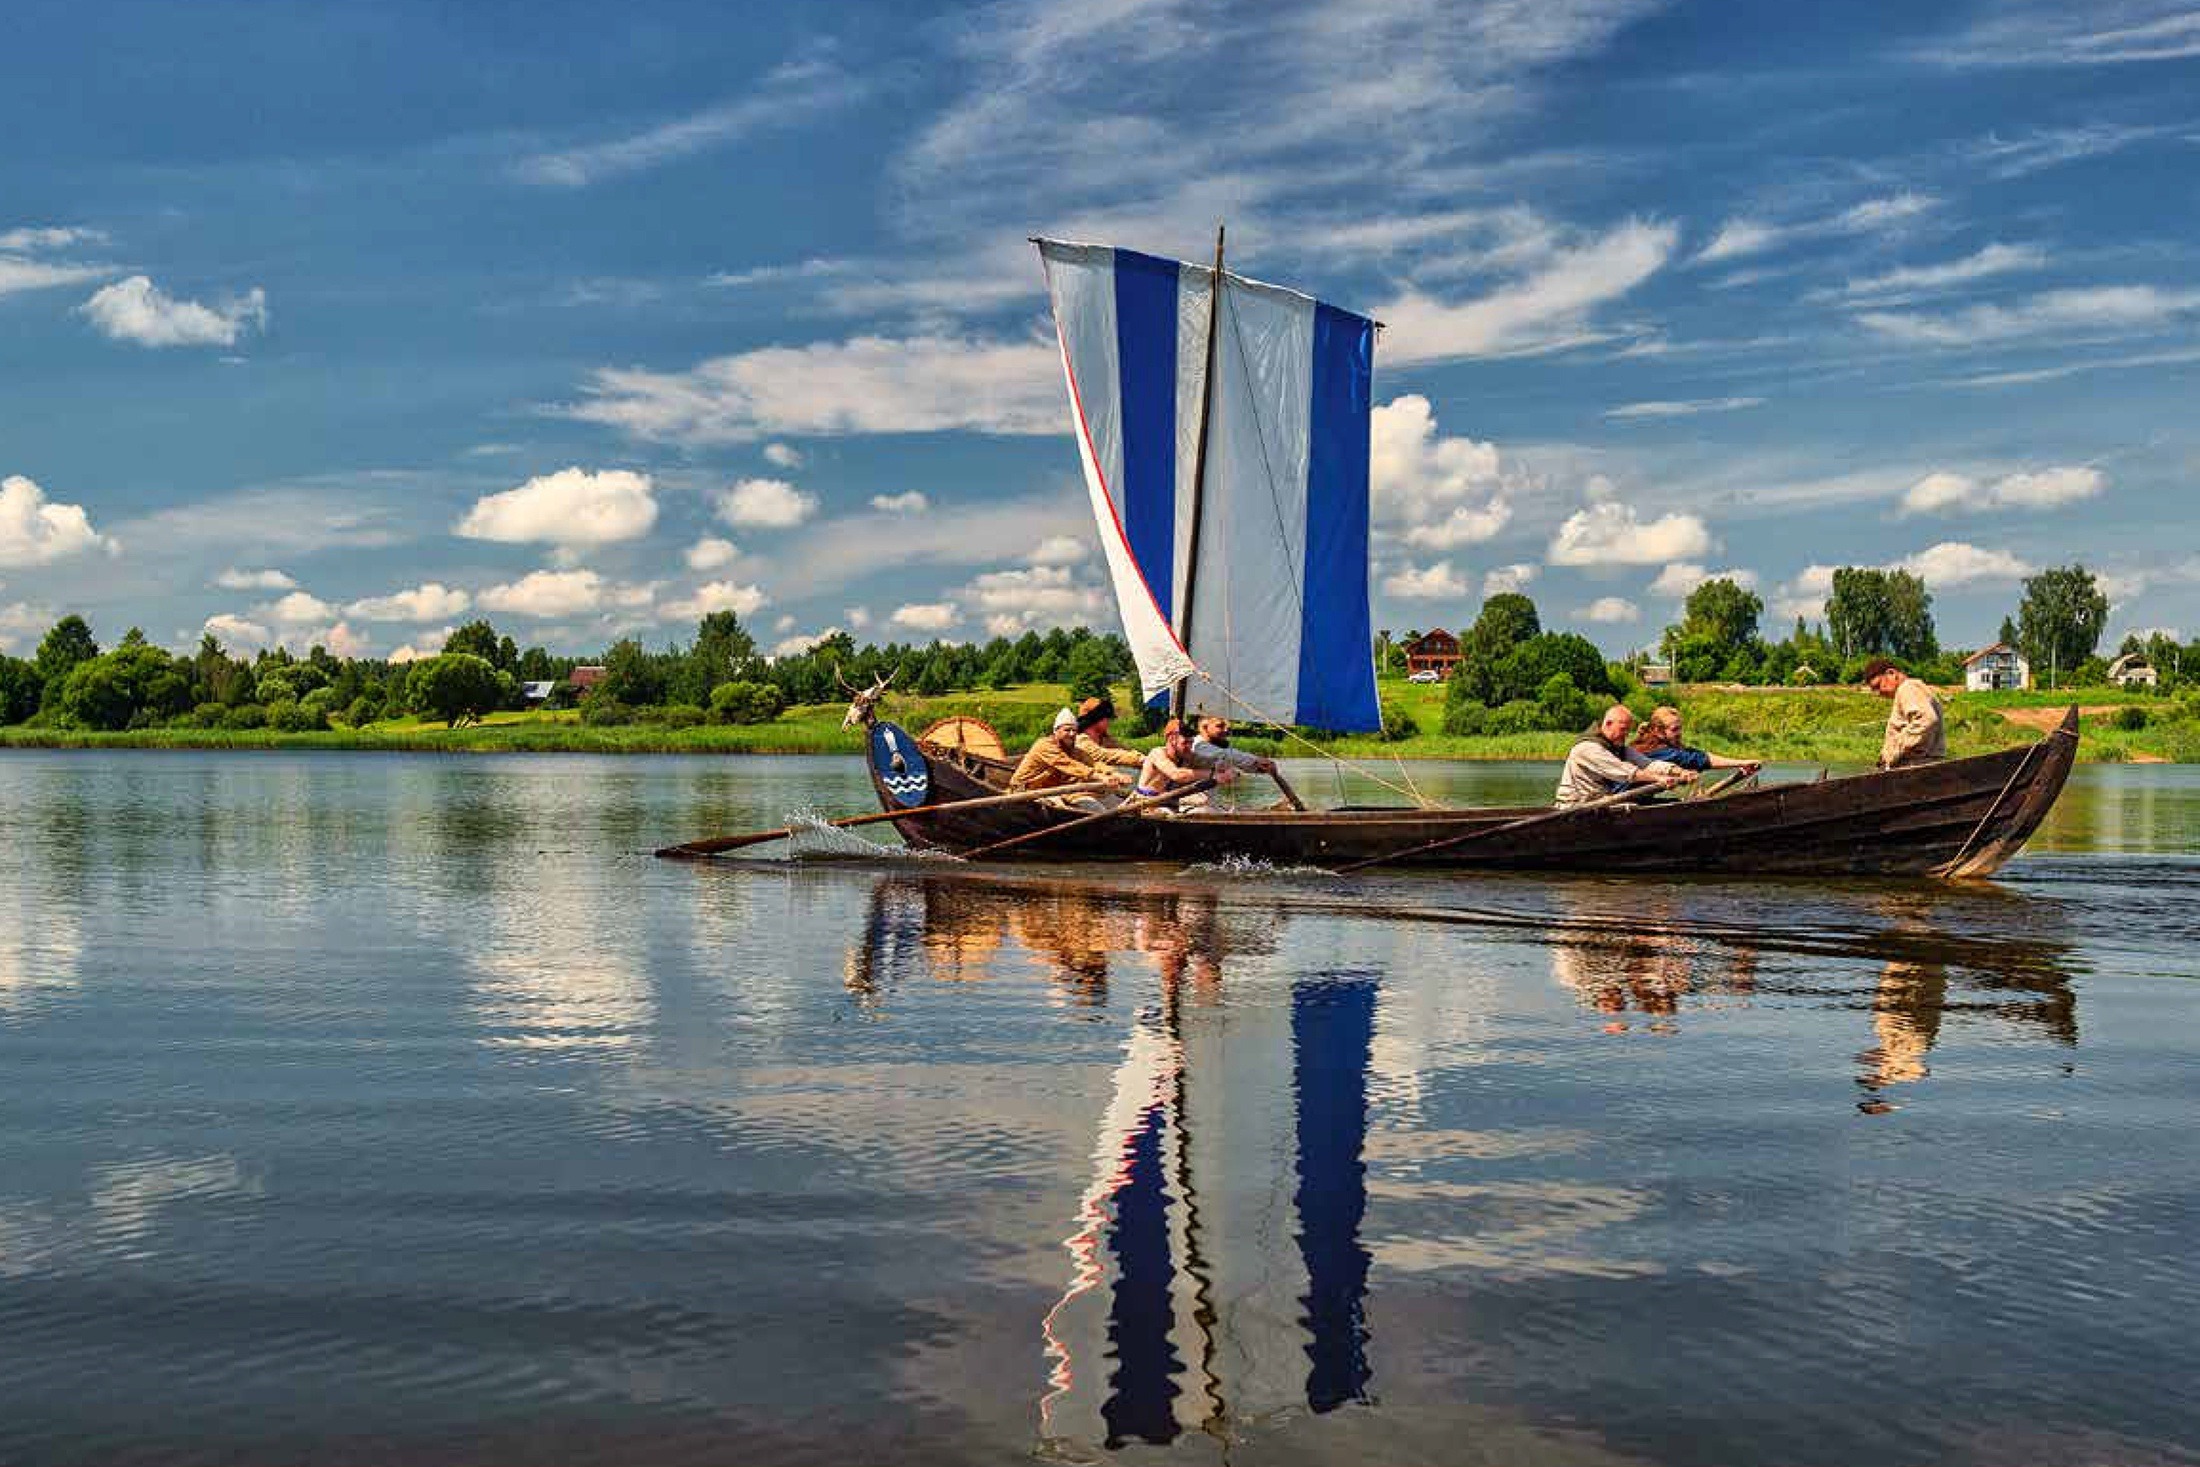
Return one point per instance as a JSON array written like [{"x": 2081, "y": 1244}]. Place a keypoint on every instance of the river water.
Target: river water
[{"x": 385, "y": 1109}]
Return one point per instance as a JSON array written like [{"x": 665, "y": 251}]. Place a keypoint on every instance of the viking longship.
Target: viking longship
[{"x": 1223, "y": 428}]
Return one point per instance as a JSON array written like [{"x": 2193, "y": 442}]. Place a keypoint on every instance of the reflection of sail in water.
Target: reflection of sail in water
[{"x": 1232, "y": 1130}]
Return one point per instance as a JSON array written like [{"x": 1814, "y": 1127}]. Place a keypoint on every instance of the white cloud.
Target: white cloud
[
  {"x": 569, "y": 508},
  {"x": 1878, "y": 213},
  {"x": 137, "y": 310},
  {"x": 926, "y": 616},
  {"x": 2051, "y": 147},
  {"x": 553, "y": 593},
  {"x": 1547, "y": 309},
  {"x": 22, "y": 624},
  {"x": 1805, "y": 595},
  {"x": 1914, "y": 280},
  {"x": 432, "y": 601},
  {"x": 235, "y": 579},
  {"x": 37, "y": 531},
  {"x": 1956, "y": 563},
  {"x": 788, "y": 94},
  {"x": 871, "y": 384},
  {"x": 1943, "y": 492},
  {"x": 2106, "y": 310},
  {"x": 239, "y": 631},
  {"x": 782, "y": 456},
  {"x": 741, "y": 600},
  {"x": 299, "y": 608},
  {"x": 1610, "y": 533},
  {"x": 1014, "y": 601},
  {"x": 18, "y": 275},
  {"x": 1736, "y": 239},
  {"x": 711, "y": 553},
  {"x": 769, "y": 504},
  {"x": 909, "y": 502},
  {"x": 795, "y": 646},
  {"x": 1741, "y": 238},
  {"x": 1687, "y": 408},
  {"x": 1610, "y": 611},
  {"x": 32, "y": 239},
  {"x": 1443, "y": 492},
  {"x": 1507, "y": 578},
  {"x": 859, "y": 617},
  {"x": 1438, "y": 582},
  {"x": 1061, "y": 550},
  {"x": 2062, "y": 35},
  {"x": 1682, "y": 577},
  {"x": 427, "y": 644}
]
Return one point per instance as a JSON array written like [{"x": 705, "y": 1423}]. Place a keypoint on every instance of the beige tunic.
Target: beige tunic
[
  {"x": 1915, "y": 734},
  {"x": 1593, "y": 771},
  {"x": 1095, "y": 753}
]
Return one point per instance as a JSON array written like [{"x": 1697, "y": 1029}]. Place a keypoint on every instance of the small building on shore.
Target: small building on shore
[
  {"x": 1434, "y": 651},
  {"x": 1657, "y": 674},
  {"x": 1999, "y": 668},
  {"x": 535, "y": 694},
  {"x": 582, "y": 678},
  {"x": 2132, "y": 670}
]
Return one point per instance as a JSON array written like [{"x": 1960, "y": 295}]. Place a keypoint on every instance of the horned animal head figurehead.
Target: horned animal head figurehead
[{"x": 863, "y": 702}]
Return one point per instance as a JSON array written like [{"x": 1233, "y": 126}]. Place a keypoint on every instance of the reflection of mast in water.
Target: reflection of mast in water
[{"x": 1199, "y": 1182}]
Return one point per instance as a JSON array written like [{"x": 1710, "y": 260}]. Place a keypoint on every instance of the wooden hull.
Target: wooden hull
[{"x": 1956, "y": 818}]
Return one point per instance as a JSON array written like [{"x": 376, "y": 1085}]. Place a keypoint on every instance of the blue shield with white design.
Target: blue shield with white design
[{"x": 898, "y": 764}]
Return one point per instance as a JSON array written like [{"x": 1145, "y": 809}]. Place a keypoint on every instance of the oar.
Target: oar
[
  {"x": 696, "y": 848},
  {"x": 1128, "y": 807},
  {"x": 1712, "y": 792},
  {"x": 1288, "y": 793},
  {"x": 1632, "y": 792}
]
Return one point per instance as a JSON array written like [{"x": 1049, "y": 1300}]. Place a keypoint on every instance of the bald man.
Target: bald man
[{"x": 1601, "y": 764}]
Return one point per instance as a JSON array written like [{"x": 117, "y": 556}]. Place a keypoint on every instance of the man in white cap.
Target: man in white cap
[{"x": 1053, "y": 761}]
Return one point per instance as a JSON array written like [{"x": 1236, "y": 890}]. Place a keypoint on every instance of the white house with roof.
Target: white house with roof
[
  {"x": 2132, "y": 670},
  {"x": 1995, "y": 669}
]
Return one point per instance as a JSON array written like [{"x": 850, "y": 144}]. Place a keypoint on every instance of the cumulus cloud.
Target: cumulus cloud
[
  {"x": 869, "y": 384},
  {"x": 570, "y": 508},
  {"x": 137, "y": 310},
  {"x": 1014, "y": 601},
  {"x": 299, "y": 608},
  {"x": 1442, "y": 492},
  {"x": 1061, "y": 550},
  {"x": 711, "y": 553},
  {"x": 768, "y": 504},
  {"x": 239, "y": 631},
  {"x": 1610, "y": 611},
  {"x": 552, "y": 593},
  {"x": 800, "y": 643},
  {"x": 37, "y": 531},
  {"x": 909, "y": 502},
  {"x": 235, "y": 579},
  {"x": 1943, "y": 492},
  {"x": 432, "y": 601},
  {"x": 1684, "y": 408},
  {"x": 859, "y": 617},
  {"x": 1957, "y": 563},
  {"x": 1438, "y": 582},
  {"x": 741, "y": 600},
  {"x": 1546, "y": 309},
  {"x": 782, "y": 456},
  {"x": 1682, "y": 577},
  {"x": 1610, "y": 533},
  {"x": 926, "y": 616},
  {"x": 2105, "y": 310},
  {"x": 1504, "y": 578},
  {"x": 22, "y": 624}
]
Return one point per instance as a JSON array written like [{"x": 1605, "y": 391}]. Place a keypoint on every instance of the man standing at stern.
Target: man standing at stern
[{"x": 1915, "y": 732}]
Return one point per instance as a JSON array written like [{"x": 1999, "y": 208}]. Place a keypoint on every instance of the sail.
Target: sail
[{"x": 1267, "y": 614}]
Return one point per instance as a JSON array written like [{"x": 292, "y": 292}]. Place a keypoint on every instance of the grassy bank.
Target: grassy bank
[{"x": 1815, "y": 725}]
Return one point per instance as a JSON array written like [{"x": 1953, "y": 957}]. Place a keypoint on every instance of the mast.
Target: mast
[{"x": 1199, "y": 475}]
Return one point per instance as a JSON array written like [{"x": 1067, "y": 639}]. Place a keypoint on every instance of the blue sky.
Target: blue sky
[{"x": 346, "y": 323}]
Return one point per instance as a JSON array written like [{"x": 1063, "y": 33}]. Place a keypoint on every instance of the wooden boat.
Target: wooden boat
[{"x": 1956, "y": 818}]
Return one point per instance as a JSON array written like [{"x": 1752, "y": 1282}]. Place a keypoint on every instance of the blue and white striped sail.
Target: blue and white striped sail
[{"x": 1279, "y": 623}]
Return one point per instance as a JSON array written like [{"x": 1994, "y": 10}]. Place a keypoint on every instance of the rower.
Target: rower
[
  {"x": 1211, "y": 753},
  {"x": 1601, "y": 764},
  {"x": 1170, "y": 767},
  {"x": 1916, "y": 733},
  {"x": 1052, "y": 761},
  {"x": 1095, "y": 745}
]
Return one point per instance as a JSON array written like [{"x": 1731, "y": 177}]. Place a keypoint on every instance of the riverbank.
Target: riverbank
[{"x": 1807, "y": 725}]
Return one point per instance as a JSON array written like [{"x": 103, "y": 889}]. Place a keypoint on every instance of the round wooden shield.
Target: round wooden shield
[
  {"x": 894, "y": 758},
  {"x": 971, "y": 735}
]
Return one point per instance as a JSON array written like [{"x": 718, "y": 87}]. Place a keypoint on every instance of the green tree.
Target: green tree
[
  {"x": 2059, "y": 621},
  {"x": 456, "y": 687},
  {"x": 633, "y": 676},
  {"x": 67, "y": 644},
  {"x": 19, "y": 690},
  {"x": 476, "y": 639},
  {"x": 745, "y": 702},
  {"x": 1506, "y": 621},
  {"x": 1093, "y": 667},
  {"x": 1881, "y": 612},
  {"x": 134, "y": 685}
]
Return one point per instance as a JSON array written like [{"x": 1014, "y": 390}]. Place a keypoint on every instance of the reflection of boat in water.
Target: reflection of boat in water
[{"x": 1223, "y": 426}]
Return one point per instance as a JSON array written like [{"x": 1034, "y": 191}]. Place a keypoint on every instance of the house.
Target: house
[
  {"x": 1657, "y": 674},
  {"x": 1433, "y": 651},
  {"x": 2132, "y": 670},
  {"x": 1995, "y": 669},
  {"x": 581, "y": 679},
  {"x": 537, "y": 692}
]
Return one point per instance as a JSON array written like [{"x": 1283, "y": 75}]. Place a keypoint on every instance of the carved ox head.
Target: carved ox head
[{"x": 863, "y": 702}]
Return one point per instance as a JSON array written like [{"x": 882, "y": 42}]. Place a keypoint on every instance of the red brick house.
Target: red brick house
[{"x": 1433, "y": 651}]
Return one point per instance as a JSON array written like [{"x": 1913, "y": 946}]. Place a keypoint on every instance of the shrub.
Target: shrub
[
  {"x": 2131, "y": 720},
  {"x": 361, "y": 712},
  {"x": 1521, "y": 715},
  {"x": 245, "y": 715},
  {"x": 209, "y": 715},
  {"x": 285, "y": 716},
  {"x": 1397, "y": 722},
  {"x": 1563, "y": 704},
  {"x": 1464, "y": 718},
  {"x": 601, "y": 710},
  {"x": 676, "y": 715},
  {"x": 745, "y": 702}
]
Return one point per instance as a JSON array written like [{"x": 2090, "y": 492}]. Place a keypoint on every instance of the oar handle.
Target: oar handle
[
  {"x": 1128, "y": 807},
  {"x": 697, "y": 849}
]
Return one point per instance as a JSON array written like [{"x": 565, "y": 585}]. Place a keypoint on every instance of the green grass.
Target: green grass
[{"x": 1810, "y": 725}]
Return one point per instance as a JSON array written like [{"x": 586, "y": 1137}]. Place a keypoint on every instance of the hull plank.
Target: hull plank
[{"x": 1959, "y": 817}]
